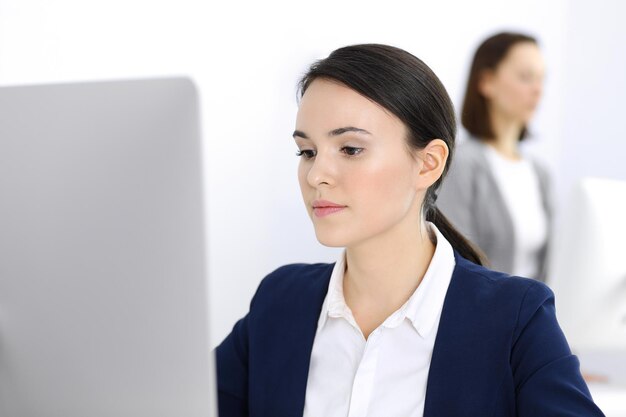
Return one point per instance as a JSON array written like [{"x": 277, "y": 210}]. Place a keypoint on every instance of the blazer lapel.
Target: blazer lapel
[
  {"x": 467, "y": 356},
  {"x": 289, "y": 379}
]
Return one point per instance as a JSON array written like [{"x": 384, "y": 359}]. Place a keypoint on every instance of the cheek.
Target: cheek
[
  {"x": 509, "y": 97},
  {"x": 383, "y": 193},
  {"x": 517, "y": 93}
]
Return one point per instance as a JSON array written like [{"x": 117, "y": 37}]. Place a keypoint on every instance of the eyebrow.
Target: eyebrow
[{"x": 334, "y": 132}]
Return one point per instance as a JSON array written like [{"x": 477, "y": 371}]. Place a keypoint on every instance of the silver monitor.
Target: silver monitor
[
  {"x": 103, "y": 300},
  {"x": 588, "y": 275}
]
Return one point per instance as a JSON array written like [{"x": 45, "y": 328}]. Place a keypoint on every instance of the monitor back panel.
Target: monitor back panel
[{"x": 102, "y": 271}]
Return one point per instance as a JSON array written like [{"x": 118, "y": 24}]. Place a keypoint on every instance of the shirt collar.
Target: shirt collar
[
  {"x": 424, "y": 306},
  {"x": 335, "y": 303}
]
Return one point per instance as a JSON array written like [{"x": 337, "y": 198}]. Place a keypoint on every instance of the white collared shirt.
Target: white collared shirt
[{"x": 386, "y": 375}]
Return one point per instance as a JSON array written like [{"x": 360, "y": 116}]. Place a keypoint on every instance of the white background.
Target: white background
[{"x": 246, "y": 58}]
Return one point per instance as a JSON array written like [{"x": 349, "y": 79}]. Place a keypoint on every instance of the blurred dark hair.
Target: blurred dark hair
[
  {"x": 475, "y": 114},
  {"x": 409, "y": 89}
]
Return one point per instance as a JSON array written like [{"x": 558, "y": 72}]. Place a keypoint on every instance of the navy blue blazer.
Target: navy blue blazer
[{"x": 499, "y": 350}]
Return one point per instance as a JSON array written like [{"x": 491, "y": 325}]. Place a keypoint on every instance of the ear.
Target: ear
[
  {"x": 486, "y": 81},
  {"x": 433, "y": 161}
]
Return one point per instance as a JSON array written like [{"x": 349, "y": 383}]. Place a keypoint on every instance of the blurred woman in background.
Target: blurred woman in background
[{"x": 495, "y": 195}]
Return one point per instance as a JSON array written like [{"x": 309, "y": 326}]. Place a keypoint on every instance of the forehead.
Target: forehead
[
  {"x": 328, "y": 105},
  {"x": 524, "y": 54}
]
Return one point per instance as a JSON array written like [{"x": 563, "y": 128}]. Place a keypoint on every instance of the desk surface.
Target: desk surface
[{"x": 610, "y": 396}]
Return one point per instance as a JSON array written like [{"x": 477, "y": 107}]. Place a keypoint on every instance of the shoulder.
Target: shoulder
[
  {"x": 470, "y": 151},
  {"x": 296, "y": 275},
  {"x": 512, "y": 299},
  {"x": 293, "y": 283},
  {"x": 495, "y": 281},
  {"x": 469, "y": 160},
  {"x": 498, "y": 284}
]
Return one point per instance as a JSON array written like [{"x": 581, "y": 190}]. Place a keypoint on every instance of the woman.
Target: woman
[
  {"x": 406, "y": 322},
  {"x": 495, "y": 195}
]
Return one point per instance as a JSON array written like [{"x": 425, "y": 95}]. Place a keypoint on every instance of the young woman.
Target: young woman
[
  {"x": 496, "y": 196},
  {"x": 406, "y": 323}
]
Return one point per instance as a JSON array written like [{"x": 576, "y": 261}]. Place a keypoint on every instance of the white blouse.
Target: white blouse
[
  {"x": 385, "y": 375},
  {"x": 519, "y": 185}
]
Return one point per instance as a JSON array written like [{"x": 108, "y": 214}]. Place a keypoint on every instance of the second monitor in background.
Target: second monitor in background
[{"x": 588, "y": 276}]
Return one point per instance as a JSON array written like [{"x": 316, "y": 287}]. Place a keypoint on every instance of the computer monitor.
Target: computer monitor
[
  {"x": 103, "y": 295},
  {"x": 588, "y": 268}
]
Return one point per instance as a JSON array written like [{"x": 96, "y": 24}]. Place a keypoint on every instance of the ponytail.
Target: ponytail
[{"x": 464, "y": 247}]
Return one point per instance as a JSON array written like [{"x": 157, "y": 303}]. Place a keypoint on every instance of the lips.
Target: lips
[{"x": 323, "y": 208}]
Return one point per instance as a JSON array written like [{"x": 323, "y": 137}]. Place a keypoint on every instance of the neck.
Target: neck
[
  {"x": 507, "y": 132},
  {"x": 382, "y": 273}
]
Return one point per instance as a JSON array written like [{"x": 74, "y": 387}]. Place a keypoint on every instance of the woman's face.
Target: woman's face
[
  {"x": 514, "y": 88},
  {"x": 356, "y": 173}
]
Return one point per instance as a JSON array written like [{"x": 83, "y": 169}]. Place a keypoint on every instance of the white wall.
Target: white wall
[
  {"x": 246, "y": 58},
  {"x": 594, "y": 89}
]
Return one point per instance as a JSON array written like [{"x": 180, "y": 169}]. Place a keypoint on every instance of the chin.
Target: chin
[
  {"x": 332, "y": 237},
  {"x": 330, "y": 241},
  {"x": 527, "y": 116}
]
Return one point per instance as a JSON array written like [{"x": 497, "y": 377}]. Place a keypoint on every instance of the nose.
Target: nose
[{"x": 321, "y": 171}]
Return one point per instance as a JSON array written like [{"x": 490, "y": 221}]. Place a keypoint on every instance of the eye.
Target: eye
[
  {"x": 306, "y": 153},
  {"x": 351, "y": 150}
]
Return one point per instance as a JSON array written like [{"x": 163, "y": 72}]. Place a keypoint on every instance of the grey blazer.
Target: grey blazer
[{"x": 471, "y": 200}]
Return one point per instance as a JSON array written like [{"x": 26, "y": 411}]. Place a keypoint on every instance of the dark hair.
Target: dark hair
[
  {"x": 408, "y": 88},
  {"x": 475, "y": 114}
]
